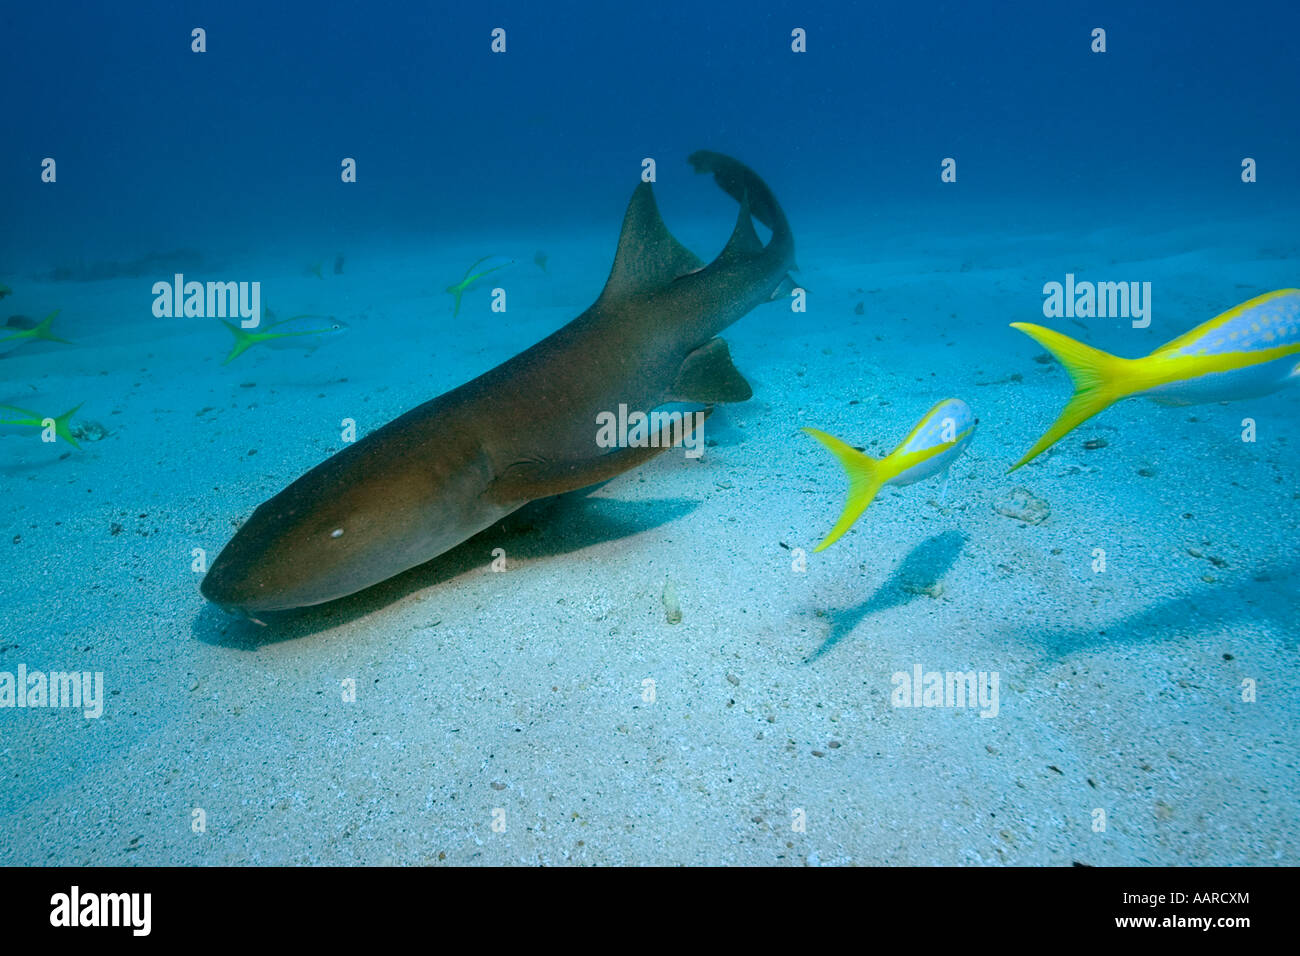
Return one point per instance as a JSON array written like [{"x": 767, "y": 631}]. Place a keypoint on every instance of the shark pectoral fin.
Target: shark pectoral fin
[
  {"x": 708, "y": 375},
  {"x": 527, "y": 481}
]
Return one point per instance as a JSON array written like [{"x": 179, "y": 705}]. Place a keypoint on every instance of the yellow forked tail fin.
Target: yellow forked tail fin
[
  {"x": 1100, "y": 379},
  {"x": 43, "y": 331},
  {"x": 243, "y": 341},
  {"x": 63, "y": 429},
  {"x": 865, "y": 479},
  {"x": 457, "y": 291}
]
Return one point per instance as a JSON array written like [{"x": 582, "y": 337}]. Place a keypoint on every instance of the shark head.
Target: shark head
[{"x": 356, "y": 521}]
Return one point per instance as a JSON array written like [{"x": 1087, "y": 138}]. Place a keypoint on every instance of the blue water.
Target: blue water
[
  {"x": 160, "y": 145},
  {"x": 1122, "y": 165}
]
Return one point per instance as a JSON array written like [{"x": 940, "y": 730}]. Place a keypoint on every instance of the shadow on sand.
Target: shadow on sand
[
  {"x": 541, "y": 529},
  {"x": 923, "y": 567},
  {"x": 1269, "y": 595}
]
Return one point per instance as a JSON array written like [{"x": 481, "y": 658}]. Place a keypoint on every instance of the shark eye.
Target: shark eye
[{"x": 336, "y": 533}]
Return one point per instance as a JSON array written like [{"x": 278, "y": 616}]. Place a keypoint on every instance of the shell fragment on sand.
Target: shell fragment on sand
[{"x": 1023, "y": 505}]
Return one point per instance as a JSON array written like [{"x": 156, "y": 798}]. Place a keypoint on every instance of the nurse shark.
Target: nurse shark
[{"x": 527, "y": 429}]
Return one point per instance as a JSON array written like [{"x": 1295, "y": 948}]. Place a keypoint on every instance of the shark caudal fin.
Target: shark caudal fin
[
  {"x": 44, "y": 330},
  {"x": 243, "y": 342},
  {"x": 866, "y": 477},
  {"x": 744, "y": 185},
  {"x": 649, "y": 259},
  {"x": 1100, "y": 379},
  {"x": 756, "y": 200}
]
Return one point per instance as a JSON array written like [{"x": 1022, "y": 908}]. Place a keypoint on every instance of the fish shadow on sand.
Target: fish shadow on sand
[
  {"x": 550, "y": 527},
  {"x": 1269, "y": 595},
  {"x": 923, "y": 567},
  {"x": 36, "y": 463}
]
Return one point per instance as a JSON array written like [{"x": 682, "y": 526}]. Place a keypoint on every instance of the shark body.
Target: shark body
[{"x": 451, "y": 467}]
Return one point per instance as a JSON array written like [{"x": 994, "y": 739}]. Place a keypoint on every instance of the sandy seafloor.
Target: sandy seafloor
[{"x": 523, "y": 690}]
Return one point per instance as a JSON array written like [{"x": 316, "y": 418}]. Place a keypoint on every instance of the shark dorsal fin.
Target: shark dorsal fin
[
  {"x": 648, "y": 256},
  {"x": 744, "y": 242}
]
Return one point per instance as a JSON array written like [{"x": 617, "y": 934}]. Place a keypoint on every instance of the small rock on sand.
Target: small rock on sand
[
  {"x": 1023, "y": 505},
  {"x": 672, "y": 610},
  {"x": 86, "y": 430}
]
